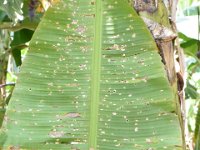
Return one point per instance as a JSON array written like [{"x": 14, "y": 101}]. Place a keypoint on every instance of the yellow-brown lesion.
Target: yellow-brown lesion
[{"x": 145, "y": 5}]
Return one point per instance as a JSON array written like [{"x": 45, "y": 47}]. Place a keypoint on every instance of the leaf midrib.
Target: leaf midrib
[{"x": 95, "y": 79}]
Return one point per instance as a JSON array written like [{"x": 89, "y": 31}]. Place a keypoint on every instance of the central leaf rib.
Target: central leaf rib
[{"x": 95, "y": 80}]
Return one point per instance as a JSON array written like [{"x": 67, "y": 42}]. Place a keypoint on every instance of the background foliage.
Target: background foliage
[
  {"x": 188, "y": 23},
  {"x": 18, "y": 20}
]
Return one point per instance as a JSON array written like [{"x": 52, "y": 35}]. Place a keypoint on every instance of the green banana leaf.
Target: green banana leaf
[
  {"x": 192, "y": 10},
  {"x": 197, "y": 144},
  {"x": 12, "y": 8},
  {"x": 2, "y": 112},
  {"x": 92, "y": 80},
  {"x": 197, "y": 130}
]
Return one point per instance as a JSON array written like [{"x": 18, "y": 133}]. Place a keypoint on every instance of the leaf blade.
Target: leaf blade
[{"x": 135, "y": 106}]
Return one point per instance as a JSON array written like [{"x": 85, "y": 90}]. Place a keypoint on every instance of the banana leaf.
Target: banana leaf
[
  {"x": 92, "y": 80},
  {"x": 12, "y": 8},
  {"x": 197, "y": 144},
  {"x": 2, "y": 111},
  {"x": 197, "y": 130}
]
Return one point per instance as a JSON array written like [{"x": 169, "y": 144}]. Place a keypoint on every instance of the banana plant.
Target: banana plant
[
  {"x": 197, "y": 130},
  {"x": 92, "y": 80}
]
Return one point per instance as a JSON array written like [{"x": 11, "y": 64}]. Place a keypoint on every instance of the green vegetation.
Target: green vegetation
[{"x": 92, "y": 78}]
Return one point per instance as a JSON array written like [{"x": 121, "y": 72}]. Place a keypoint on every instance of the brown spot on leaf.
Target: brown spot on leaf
[
  {"x": 69, "y": 115},
  {"x": 92, "y": 3},
  {"x": 56, "y": 134},
  {"x": 14, "y": 148},
  {"x": 72, "y": 115}
]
